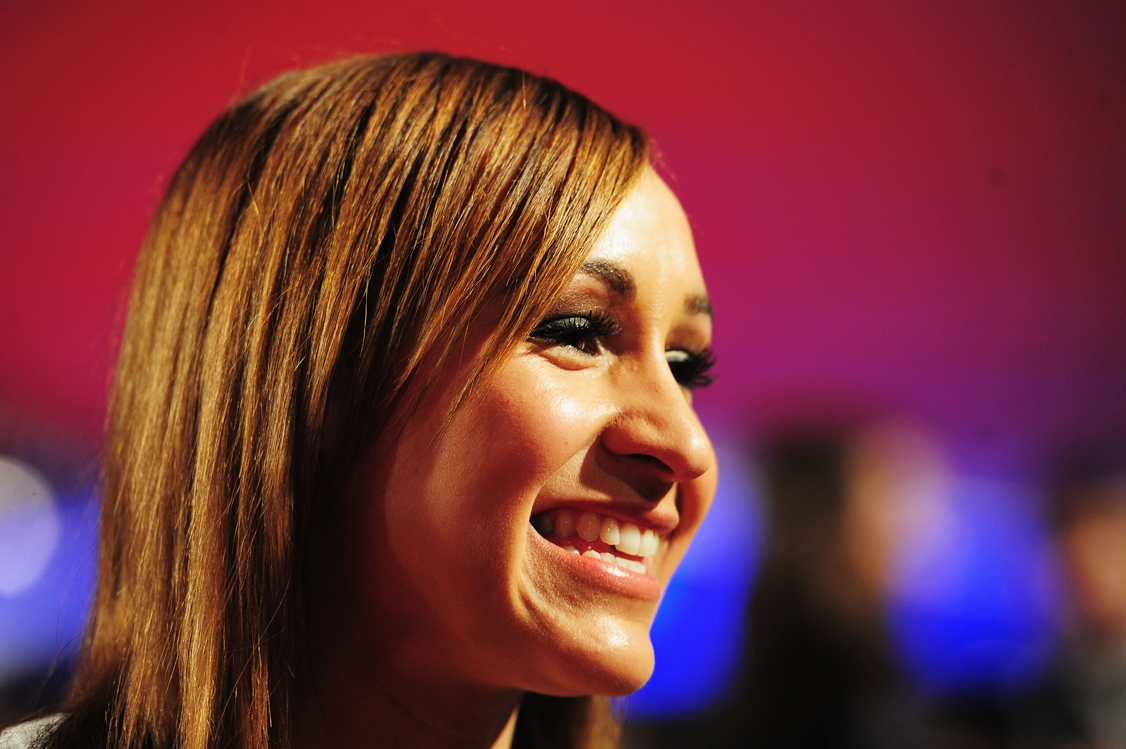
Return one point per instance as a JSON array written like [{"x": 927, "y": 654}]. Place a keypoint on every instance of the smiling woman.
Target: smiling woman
[{"x": 401, "y": 449}]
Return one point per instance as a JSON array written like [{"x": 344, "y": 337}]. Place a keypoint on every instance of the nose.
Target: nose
[{"x": 656, "y": 432}]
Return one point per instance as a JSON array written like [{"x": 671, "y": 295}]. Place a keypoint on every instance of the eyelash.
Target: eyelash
[
  {"x": 692, "y": 371},
  {"x": 581, "y": 332},
  {"x": 584, "y": 333}
]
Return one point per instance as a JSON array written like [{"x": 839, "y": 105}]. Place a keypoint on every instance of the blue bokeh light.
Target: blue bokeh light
[
  {"x": 979, "y": 612},
  {"x": 42, "y": 625},
  {"x": 698, "y": 633}
]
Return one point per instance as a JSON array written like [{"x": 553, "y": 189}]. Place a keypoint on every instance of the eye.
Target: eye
[
  {"x": 690, "y": 368},
  {"x": 581, "y": 332}
]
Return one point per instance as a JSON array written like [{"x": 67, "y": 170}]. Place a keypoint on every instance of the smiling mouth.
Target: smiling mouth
[{"x": 590, "y": 534}]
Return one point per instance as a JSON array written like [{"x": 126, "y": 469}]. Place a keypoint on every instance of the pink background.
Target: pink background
[{"x": 907, "y": 207}]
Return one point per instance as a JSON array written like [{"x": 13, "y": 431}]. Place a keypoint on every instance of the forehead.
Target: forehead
[{"x": 649, "y": 237}]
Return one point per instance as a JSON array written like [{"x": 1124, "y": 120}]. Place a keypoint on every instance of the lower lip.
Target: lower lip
[{"x": 600, "y": 574}]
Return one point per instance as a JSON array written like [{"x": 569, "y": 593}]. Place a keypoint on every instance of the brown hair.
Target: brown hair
[{"x": 330, "y": 237}]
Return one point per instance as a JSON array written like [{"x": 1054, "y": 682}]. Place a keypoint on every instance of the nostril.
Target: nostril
[
  {"x": 651, "y": 461},
  {"x": 650, "y": 473},
  {"x": 651, "y": 477}
]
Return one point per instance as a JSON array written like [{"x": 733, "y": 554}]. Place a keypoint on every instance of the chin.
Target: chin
[
  {"x": 627, "y": 677},
  {"x": 613, "y": 661}
]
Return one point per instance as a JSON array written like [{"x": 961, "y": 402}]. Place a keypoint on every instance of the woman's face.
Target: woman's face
[{"x": 528, "y": 544}]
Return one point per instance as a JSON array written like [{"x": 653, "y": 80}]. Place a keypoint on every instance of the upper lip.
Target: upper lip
[{"x": 662, "y": 520}]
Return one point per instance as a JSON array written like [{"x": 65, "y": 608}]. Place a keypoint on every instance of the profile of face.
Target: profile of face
[{"x": 525, "y": 542}]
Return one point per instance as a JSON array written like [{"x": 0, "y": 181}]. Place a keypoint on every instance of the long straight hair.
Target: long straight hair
[{"x": 329, "y": 240}]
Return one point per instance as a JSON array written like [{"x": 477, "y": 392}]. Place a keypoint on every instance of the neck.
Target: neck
[
  {"x": 379, "y": 681},
  {"x": 380, "y": 671},
  {"x": 354, "y": 705}
]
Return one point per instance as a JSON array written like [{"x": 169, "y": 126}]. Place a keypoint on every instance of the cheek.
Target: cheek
[
  {"x": 527, "y": 427},
  {"x": 462, "y": 497}
]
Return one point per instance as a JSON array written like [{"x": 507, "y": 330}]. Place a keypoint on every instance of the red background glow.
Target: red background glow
[{"x": 915, "y": 205}]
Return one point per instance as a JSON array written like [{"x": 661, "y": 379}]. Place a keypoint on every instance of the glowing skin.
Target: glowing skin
[{"x": 458, "y": 588}]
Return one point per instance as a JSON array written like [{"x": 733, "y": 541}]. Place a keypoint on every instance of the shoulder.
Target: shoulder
[{"x": 24, "y": 735}]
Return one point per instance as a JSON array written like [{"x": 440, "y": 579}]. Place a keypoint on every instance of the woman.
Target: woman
[{"x": 401, "y": 450}]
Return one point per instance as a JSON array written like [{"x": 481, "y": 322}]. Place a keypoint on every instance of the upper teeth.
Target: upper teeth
[{"x": 625, "y": 537}]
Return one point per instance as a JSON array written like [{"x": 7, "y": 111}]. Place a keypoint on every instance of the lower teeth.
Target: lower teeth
[{"x": 629, "y": 564}]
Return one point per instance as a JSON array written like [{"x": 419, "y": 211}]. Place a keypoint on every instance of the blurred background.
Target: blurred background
[{"x": 912, "y": 221}]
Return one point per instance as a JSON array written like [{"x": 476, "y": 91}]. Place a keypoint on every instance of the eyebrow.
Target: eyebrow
[
  {"x": 616, "y": 277},
  {"x": 621, "y": 283},
  {"x": 698, "y": 304}
]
